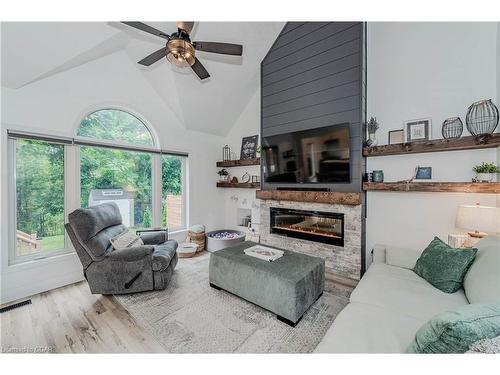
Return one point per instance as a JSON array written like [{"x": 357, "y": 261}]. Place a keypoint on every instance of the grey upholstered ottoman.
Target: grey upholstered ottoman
[{"x": 287, "y": 287}]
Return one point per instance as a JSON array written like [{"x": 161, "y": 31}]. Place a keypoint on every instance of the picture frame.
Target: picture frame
[
  {"x": 418, "y": 130},
  {"x": 423, "y": 173},
  {"x": 249, "y": 147},
  {"x": 396, "y": 136}
]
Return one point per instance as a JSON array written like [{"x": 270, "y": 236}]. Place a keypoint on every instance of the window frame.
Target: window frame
[
  {"x": 14, "y": 258},
  {"x": 72, "y": 189},
  {"x": 110, "y": 143},
  {"x": 184, "y": 192}
]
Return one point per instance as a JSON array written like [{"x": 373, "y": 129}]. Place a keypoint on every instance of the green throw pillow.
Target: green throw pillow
[
  {"x": 455, "y": 331},
  {"x": 443, "y": 266}
]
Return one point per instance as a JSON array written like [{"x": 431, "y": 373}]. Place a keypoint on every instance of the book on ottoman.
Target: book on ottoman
[{"x": 263, "y": 252}]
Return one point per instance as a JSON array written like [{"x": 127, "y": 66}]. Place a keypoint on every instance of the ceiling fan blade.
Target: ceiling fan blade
[
  {"x": 154, "y": 57},
  {"x": 148, "y": 29},
  {"x": 199, "y": 69},
  {"x": 222, "y": 48},
  {"x": 187, "y": 26}
]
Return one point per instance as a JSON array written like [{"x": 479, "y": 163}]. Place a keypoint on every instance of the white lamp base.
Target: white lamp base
[{"x": 462, "y": 240}]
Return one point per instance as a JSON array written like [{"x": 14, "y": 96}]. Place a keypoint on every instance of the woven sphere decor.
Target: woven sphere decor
[
  {"x": 452, "y": 128},
  {"x": 482, "y": 117}
]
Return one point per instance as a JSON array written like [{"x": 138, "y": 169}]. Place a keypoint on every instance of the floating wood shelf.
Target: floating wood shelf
[
  {"x": 435, "y": 145},
  {"x": 328, "y": 197},
  {"x": 440, "y": 187},
  {"x": 238, "y": 163},
  {"x": 240, "y": 185}
]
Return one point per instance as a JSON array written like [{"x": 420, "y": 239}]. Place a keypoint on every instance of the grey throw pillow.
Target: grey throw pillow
[
  {"x": 444, "y": 266},
  {"x": 485, "y": 346}
]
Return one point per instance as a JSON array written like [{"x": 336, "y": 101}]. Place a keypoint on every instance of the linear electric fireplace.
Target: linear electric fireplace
[{"x": 326, "y": 227}]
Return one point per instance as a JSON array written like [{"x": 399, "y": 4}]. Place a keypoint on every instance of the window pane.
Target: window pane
[
  {"x": 39, "y": 197},
  {"x": 123, "y": 177},
  {"x": 172, "y": 199},
  {"x": 115, "y": 125}
]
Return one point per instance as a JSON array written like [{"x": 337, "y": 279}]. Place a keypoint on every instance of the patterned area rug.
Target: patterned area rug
[{"x": 191, "y": 317}]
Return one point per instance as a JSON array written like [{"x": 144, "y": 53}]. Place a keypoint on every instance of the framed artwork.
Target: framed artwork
[
  {"x": 423, "y": 173},
  {"x": 396, "y": 136},
  {"x": 249, "y": 147},
  {"x": 418, "y": 130}
]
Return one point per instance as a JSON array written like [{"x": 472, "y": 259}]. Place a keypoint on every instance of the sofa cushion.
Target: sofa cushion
[
  {"x": 362, "y": 328},
  {"x": 401, "y": 257},
  {"x": 444, "y": 266},
  {"x": 482, "y": 282},
  {"x": 401, "y": 291},
  {"x": 454, "y": 331},
  {"x": 163, "y": 255}
]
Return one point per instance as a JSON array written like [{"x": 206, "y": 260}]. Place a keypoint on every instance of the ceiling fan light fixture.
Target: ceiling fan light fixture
[{"x": 180, "y": 53}]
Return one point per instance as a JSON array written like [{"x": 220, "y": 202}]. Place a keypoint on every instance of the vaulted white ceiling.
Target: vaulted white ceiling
[{"x": 31, "y": 52}]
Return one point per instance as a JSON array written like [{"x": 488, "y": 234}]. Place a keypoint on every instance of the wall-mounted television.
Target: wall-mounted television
[{"x": 316, "y": 156}]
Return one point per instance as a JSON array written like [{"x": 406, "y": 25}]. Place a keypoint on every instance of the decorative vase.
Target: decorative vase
[
  {"x": 482, "y": 117},
  {"x": 452, "y": 128},
  {"x": 226, "y": 153},
  {"x": 372, "y": 140},
  {"x": 485, "y": 177},
  {"x": 378, "y": 176}
]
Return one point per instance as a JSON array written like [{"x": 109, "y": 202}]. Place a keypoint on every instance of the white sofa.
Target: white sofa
[{"x": 391, "y": 302}]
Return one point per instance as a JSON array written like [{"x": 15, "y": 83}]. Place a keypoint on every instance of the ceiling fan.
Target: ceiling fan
[{"x": 181, "y": 51}]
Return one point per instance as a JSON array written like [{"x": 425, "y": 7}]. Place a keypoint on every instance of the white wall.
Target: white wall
[
  {"x": 56, "y": 105},
  {"x": 247, "y": 124},
  {"x": 422, "y": 70}
]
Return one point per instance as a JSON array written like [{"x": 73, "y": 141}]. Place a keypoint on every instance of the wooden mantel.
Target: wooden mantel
[
  {"x": 329, "y": 197},
  {"x": 438, "y": 187},
  {"x": 435, "y": 145}
]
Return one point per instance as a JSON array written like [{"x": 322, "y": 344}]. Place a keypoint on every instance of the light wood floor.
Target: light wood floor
[{"x": 71, "y": 320}]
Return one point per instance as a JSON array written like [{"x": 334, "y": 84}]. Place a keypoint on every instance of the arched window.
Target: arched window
[
  {"x": 117, "y": 126},
  {"x": 124, "y": 174}
]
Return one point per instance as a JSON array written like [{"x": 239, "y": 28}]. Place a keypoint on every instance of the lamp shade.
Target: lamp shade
[{"x": 478, "y": 218}]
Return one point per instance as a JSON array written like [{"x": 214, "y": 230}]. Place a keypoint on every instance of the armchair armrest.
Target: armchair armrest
[
  {"x": 131, "y": 254},
  {"x": 153, "y": 236}
]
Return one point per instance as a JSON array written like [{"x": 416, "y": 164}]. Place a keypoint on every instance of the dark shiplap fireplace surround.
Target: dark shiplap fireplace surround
[{"x": 314, "y": 76}]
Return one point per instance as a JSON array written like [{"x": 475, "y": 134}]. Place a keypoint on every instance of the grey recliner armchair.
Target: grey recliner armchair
[{"x": 109, "y": 271}]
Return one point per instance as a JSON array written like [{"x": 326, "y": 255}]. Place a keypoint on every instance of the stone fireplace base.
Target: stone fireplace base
[{"x": 343, "y": 263}]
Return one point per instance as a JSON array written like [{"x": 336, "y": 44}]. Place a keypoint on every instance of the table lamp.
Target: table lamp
[{"x": 480, "y": 220}]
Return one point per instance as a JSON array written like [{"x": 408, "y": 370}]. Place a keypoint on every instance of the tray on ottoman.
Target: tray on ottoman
[{"x": 287, "y": 286}]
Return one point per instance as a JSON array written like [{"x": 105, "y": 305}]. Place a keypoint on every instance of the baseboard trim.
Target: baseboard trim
[
  {"x": 9, "y": 295},
  {"x": 342, "y": 280}
]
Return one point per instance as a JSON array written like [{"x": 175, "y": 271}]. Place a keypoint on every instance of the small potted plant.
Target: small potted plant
[
  {"x": 486, "y": 172},
  {"x": 223, "y": 174}
]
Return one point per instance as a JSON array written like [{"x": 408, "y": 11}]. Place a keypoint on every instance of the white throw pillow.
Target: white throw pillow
[{"x": 126, "y": 239}]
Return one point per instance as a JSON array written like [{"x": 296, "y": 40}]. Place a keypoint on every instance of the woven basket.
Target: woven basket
[{"x": 197, "y": 238}]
